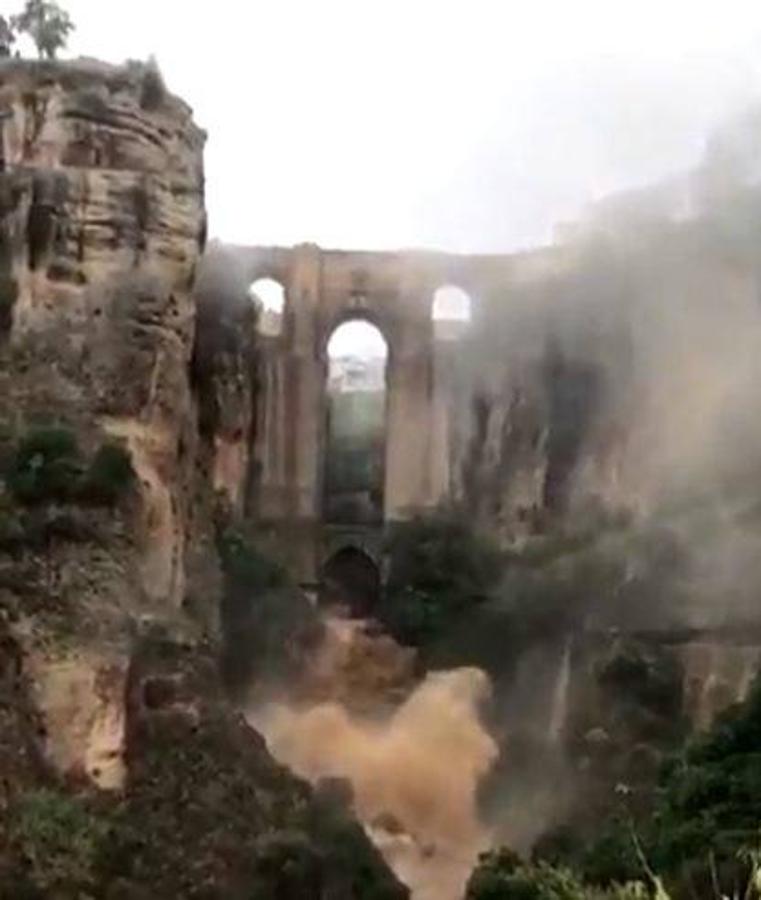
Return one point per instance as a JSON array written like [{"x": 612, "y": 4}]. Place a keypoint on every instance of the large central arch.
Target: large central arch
[{"x": 355, "y": 425}]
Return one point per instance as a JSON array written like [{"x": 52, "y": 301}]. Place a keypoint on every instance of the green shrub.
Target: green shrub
[
  {"x": 267, "y": 622},
  {"x": 705, "y": 826},
  {"x": 60, "y": 839},
  {"x": 612, "y": 855},
  {"x": 45, "y": 467},
  {"x": 438, "y": 568},
  {"x": 501, "y": 875},
  {"x": 245, "y": 566},
  {"x": 109, "y": 476},
  {"x": 709, "y": 806}
]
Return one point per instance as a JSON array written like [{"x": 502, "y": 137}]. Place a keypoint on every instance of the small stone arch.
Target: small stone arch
[
  {"x": 351, "y": 580},
  {"x": 451, "y": 311},
  {"x": 270, "y": 297}
]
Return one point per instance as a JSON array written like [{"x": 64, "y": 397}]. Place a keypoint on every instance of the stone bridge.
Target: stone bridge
[{"x": 393, "y": 291}]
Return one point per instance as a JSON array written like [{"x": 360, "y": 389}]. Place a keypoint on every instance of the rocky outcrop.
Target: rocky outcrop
[
  {"x": 117, "y": 429},
  {"x": 101, "y": 229},
  {"x": 250, "y": 827},
  {"x": 225, "y": 374},
  {"x": 205, "y": 812},
  {"x": 123, "y": 771}
]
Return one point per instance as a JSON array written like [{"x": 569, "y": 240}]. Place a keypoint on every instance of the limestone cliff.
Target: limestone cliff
[
  {"x": 112, "y": 444},
  {"x": 102, "y": 226}
]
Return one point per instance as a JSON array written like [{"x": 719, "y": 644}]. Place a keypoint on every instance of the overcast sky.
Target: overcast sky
[{"x": 468, "y": 126}]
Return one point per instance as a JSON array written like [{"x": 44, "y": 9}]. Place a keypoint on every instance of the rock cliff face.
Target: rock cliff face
[
  {"x": 102, "y": 230},
  {"x": 114, "y": 436},
  {"x": 102, "y": 227}
]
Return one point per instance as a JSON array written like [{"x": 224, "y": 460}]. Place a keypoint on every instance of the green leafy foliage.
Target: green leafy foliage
[
  {"x": 109, "y": 476},
  {"x": 45, "y": 466},
  {"x": 501, "y": 875},
  {"x": 612, "y": 856},
  {"x": 206, "y": 813},
  {"x": 59, "y": 837},
  {"x": 710, "y": 801},
  {"x": 704, "y": 830},
  {"x": 439, "y": 567},
  {"x": 245, "y": 566},
  {"x": 46, "y": 23},
  {"x": 267, "y": 623}
]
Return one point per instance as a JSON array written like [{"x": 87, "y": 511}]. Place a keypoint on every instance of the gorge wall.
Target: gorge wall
[
  {"x": 596, "y": 419},
  {"x": 102, "y": 228},
  {"x": 110, "y": 584}
]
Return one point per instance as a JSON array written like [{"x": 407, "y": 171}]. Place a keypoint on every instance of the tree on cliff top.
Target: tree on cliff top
[
  {"x": 7, "y": 37},
  {"x": 46, "y": 24}
]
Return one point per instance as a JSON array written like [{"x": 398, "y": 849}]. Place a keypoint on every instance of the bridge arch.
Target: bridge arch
[
  {"x": 359, "y": 315},
  {"x": 350, "y": 579},
  {"x": 451, "y": 311},
  {"x": 270, "y": 296},
  {"x": 355, "y": 424}
]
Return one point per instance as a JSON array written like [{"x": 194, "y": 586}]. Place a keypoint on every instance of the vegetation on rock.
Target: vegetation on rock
[
  {"x": 58, "y": 838},
  {"x": 46, "y": 23},
  {"x": 501, "y": 875},
  {"x": 109, "y": 476},
  {"x": 7, "y": 37},
  {"x": 267, "y": 622},
  {"x": 47, "y": 466},
  {"x": 206, "y": 811},
  {"x": 438, "y": 569},
  {"x": 701, "y": 832}
]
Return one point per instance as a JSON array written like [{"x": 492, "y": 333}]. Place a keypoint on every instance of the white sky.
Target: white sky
[
  {"x": 357, "y": 338},
  {"x": 467, "y": 126}
]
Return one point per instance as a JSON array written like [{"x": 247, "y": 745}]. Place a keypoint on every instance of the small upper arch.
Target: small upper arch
[
  {"x": 269, "y": 296},
  {"x": 451, "y": 311}
]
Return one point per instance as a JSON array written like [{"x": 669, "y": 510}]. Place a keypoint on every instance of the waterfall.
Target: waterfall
[
  {"x": 715, "y": 676},
  {"x": 750, "y": 662},
  {"x": 414, "y": 752},
  {"x": 559, "y": 706}
]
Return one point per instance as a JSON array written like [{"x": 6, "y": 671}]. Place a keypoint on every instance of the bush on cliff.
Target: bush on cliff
[
  {"x": 267, "y": 622},
  {"x": 205, "y": 811},
  {"x": 109, "y": 475},
  {"x": 501, "y": 875},
  {"x": 438, "y": 568},
  {"x": 58, "y": 838},
  {"x": 45, "y": 466},
  {"x": 708, "y": 814},
  {"x": 704, "y": 830},
  {"x": 46, "y": 24}
]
